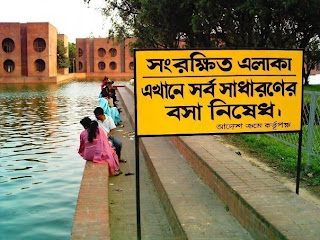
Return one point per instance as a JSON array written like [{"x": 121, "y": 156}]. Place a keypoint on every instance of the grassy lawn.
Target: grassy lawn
[
  {"x": 314, "y": 88},
  {"x": 279, "y": 156}
]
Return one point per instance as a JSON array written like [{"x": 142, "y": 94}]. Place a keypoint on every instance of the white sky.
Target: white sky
[{"x": 71, "y": 17}]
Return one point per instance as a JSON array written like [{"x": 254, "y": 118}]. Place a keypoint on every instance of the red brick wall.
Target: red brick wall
[
  {"x": 53, "y": 66},
  {"x": 12, "y": 31},
  {"x": 81, "y": 43},
  {"x": 24, "y": 51},
  {"x": 91, "y": 58},
  {"x": 100, "y": 43},
  {"x": 117, "y": 59},
  {"x": 49, "y": 34}
]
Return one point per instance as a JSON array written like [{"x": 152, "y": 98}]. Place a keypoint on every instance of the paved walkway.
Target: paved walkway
[{"x": 122, "y": 196}]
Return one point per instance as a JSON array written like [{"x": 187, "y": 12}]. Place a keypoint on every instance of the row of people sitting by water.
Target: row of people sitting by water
[
  {"x": 107, "y": 89},
  {"x": 97, "y": 142},
  {"x": 108, "y": 100}
]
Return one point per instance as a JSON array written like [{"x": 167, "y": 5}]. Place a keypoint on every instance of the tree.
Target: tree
[
  {"x": 311, "y": 57},
  {"x": 160, "y": 25},
  {"x": 220, "y": 23},
  {"x": 62, "y": 59},
  {"x": 72, "y": 56},
  {"x": 261, "y": 23}
]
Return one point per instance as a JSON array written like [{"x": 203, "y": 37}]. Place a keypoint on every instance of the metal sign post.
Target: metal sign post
[
  {"x": 300, "y": 140},
  {"x": 138, "y": 187},
  {"x": 136, "y": 139},
  {"x": 299, "y": 163}
]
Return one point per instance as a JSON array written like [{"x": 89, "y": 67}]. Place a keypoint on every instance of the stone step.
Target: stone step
[
  {"x": 192, "y": 208},
  {"x": 262, "y": 204}
]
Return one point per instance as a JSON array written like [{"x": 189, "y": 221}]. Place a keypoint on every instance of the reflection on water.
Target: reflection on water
[{"x": 40, "y": 170}]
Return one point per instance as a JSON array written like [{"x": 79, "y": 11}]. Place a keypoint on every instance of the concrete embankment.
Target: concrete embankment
[{"x": 91, "y": 219}]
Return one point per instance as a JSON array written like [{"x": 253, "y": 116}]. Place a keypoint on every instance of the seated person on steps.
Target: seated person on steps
[
  {"x": 95, "y": 146},
  {"x": 108, "y": 110},
  {"x": 107, "y": 124}
]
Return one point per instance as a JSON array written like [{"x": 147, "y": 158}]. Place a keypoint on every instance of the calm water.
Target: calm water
[{"x": 40, "y": 170}]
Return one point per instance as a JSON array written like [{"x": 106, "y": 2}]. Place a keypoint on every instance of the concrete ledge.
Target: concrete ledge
[
  {"x": 91, "y": 219},
  {"x": 261, "y": 204}
]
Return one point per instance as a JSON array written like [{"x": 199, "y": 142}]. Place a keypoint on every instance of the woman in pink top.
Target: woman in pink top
[{"x": 94, "y": 146}]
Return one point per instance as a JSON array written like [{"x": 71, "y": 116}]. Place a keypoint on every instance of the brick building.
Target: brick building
[
  {"x": 28, "y": 50},
  {"x": 103, "y": 56},
  {"x": 28, "y": 53}
]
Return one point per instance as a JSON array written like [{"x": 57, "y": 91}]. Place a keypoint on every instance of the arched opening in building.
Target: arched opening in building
[
  {"x": 40, "y": 65},
  {"x": 131, "y": 66},
  {"x": 113, "y": 66},
  {"x": 39, "y": 44},
  {"x": 80, "y": 65},
  {"x": 8, "y": 45},
  {"x": 80, "y": 52},
  {"x": 101, "y": 52},
  {"x": 101, "y": 65},
  {"x": 8, "y": 66},
  {"x": 113, "y": 52}
]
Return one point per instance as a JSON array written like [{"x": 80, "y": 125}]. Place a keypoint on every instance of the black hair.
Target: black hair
[
  {"x": 104, "y": 94},
  {"x": 93, "y": 129},
  {"x": 85, "y": 122},
  {"x": 98, "y": 111}
]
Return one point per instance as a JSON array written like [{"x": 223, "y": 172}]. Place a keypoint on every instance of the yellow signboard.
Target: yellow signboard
[{"x": 217, "y": 91}]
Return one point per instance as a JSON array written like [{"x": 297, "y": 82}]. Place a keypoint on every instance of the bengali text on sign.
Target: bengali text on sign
[{"x": 218, "y": 91}]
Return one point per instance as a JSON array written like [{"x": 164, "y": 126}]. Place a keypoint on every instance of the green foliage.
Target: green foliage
[
  {"x": 72, "y": 56},
  {"x": 315, "y": 88},
  {"x": 62, "y": 59},
  {"x": 156, "y": 24},
  {"x": 220, "y": 23},
  {"x": 312, "y": 56}
]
